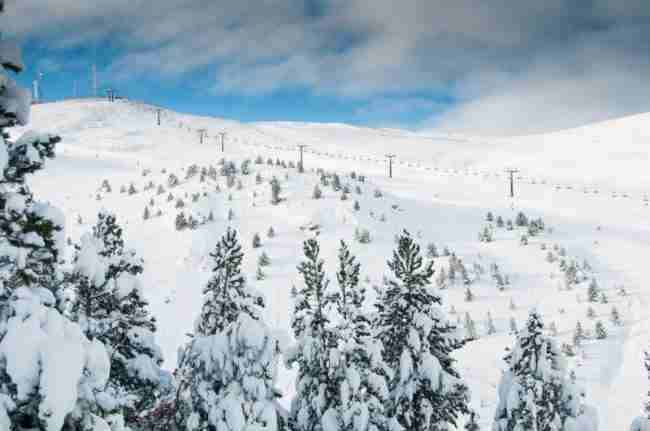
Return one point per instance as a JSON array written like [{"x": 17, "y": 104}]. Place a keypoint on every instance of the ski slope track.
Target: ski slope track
[{"x": 588, "y": 184}]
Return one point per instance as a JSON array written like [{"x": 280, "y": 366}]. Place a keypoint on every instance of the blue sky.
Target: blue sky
[
  {"x": 475, "y": 67},
  {"x": 65, "y": 70}
]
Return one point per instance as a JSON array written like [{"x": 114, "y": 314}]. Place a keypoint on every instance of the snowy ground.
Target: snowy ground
[{"x": 443, "y": 187}]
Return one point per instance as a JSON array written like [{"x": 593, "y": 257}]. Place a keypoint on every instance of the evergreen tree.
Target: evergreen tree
[
  {"x": 615, "y": 317},
  {"x": 146, "y": 214},
  {"x": 593, "y": 292},
  {"x": 276, "y": 189},
  {"x": 418, "y": 341},
  {"x": 229, "y": 378},
  {"x": 600, "y": 331},
  {"x": 259, "y": 273},
  {"x": 316, "y": 389},
  {"x": 521, "y": 220},
  {"x": 263, "y": 260},
  {"x": 441, "y": 281},
  {"x": 109, "y": 307},
  {"x": 257, "y": 241},
  {"x": 470, "y": 328},
  {"x": 469, "y": 296},
  {"x": 270, "y": 233},
  {"x": 500, "y": 221},
  {"x": 360, "y": 376},
  {"x": 432, "y": 251},
  {"x": 578, "y": 335},
  {"x": 535, "y": 392},
  {"x": 181, "y": 222},
  {"x": 227, "y": 295},
  {"x": 356, "y": 206},
  {"x": 317, "y": 194}
]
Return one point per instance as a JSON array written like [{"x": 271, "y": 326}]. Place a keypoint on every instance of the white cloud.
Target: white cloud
[{"x": 514, "y": 66}]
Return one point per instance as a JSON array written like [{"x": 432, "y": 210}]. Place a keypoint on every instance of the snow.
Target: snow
[
  {"x": 45, "y": 351},
  {"x": 444, "y": 195}
]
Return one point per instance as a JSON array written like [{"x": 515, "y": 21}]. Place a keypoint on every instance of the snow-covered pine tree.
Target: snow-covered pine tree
[
  {"x": 316, "y": 389},
  {"x": 360, "y": 375},
  {"x": 227, "y": 295},
  {"x": 227, "y": 371},
  {"x": 109, "y": 306},
  {"x": 257, "y": 241},
  {"x": 317, "y": 193},
  {"x": 615, "y": 317},
  {"x": 470, "y": 328},
  {"x": 578, "y": 335},
  {"x": 427, "y": 392},
  {"x": 535, "y": 392},
  {"x": 600, "y": 331},
  {"x": 276, "y": 189},
  {"x": 593, "y": 292},
  {"x": 50, "y": 373}
]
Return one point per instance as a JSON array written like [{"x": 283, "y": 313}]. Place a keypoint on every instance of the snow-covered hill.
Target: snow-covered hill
[{"x": 442, "y": 190}]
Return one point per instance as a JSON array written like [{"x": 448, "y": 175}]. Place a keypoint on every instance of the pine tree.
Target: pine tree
[
  {"x": 270, "y": 233},
  {"x": 314, "y": 342},
  {"x": 469, "y": 296},
  {"x": 317, "y": 194},
  {"x": 257, "y": 241},
  {"x": 276, "y": 189},
  {"x": 181, "y": 222},
  {"x": 146, "y": 214},
  {"x": 603, "y": 298},
  {"x": 521, "y": 220},
  {"x": 615, "y": 317},
  {"x": 418, "y": 402},
  {"x": 432, "y": 251},
  {"x": 356, "y": 206},
  {"x": 578, "y": 335},
  {"x": 470, "y": 328},
  {"x": 591, "y": 313},
  {"x": 336, "y": 182},
  {"x": 593, "y": 291},
  {"x": 228, "y": 369},
  {"x": 441, "y": 281},
  {"x": 600, "y": 331},
  {"x": 535, "y": 392},
  {"x": 109, "y": 307},
  {"x": 360, "y": 376},
  {"x": 227, "y": 295},
  {"x": 259, "y": 273},
  {"x": 263, "y": 260}
]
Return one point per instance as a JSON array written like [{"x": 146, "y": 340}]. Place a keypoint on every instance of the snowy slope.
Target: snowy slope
[{"x": 442, "y": 189}]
